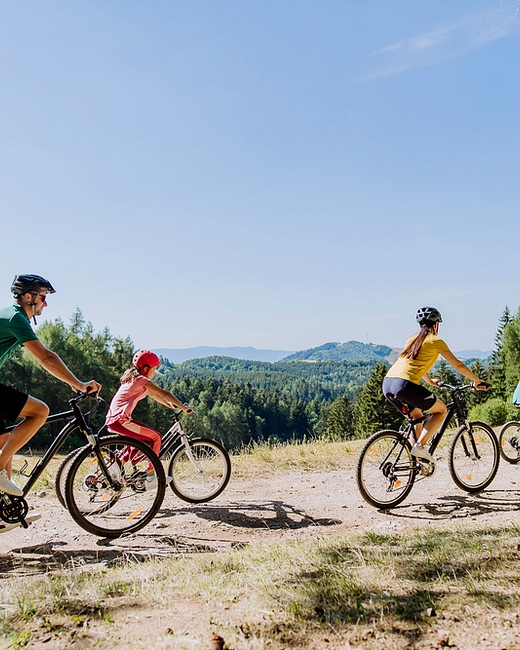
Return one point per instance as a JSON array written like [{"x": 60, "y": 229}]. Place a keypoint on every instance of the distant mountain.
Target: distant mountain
[
  {"x": 250, "y": 353},
  {"x": 349, "y": 351},
  {"x": 472, "y": 354}
]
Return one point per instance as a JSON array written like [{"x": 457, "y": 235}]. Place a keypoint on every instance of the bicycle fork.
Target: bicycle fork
[{"x": 186, "y": 442}]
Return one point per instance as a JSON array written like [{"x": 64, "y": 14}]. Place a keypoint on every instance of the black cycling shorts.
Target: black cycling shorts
[
  {"x": 408, "y": 393},
  {"x": 12, "y": 402}
]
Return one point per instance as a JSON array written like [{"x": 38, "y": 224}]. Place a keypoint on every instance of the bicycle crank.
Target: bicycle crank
[{"x": 13, "y": 510}]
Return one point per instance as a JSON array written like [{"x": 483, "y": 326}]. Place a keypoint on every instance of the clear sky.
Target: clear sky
[{"x": 274, "y": 173}]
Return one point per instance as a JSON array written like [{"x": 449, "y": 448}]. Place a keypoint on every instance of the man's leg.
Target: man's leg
[{"x": 34, "y": 413}]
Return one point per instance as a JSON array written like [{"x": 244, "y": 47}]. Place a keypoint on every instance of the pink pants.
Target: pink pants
[{"x": 135, "y": 429}]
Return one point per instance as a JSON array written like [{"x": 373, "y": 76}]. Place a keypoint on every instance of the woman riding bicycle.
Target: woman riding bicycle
[{"x": 402, "y": 381}]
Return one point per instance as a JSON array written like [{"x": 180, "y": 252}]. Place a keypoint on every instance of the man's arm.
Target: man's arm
[{"x": 52, "y": 363}]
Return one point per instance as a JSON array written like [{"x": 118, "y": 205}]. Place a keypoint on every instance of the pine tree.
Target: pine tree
[
  {"x": 373, "y": 411},
  {"x": 497, "y": 374},
  {"x": 340, "y": 420}
]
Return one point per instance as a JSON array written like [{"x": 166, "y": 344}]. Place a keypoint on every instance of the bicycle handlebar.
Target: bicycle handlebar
[{"x": 456, "y": 389}]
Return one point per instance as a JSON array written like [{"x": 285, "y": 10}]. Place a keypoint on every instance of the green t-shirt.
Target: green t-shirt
[{"x": 15, "y": 330}]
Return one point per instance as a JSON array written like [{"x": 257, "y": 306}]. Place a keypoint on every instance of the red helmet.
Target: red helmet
[{"x": 145, "y": 358}]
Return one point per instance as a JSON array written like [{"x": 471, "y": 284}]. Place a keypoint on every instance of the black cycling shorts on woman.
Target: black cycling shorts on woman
[{"x": 419, "y": 356}]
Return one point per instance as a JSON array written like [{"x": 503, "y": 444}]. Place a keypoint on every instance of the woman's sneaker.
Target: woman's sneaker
[
  {"x": 7, "y": 486},
  {"x": 421, "y": 452}
]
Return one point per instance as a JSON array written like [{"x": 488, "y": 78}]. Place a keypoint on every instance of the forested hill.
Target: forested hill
[
  {"x": 305, "y": 381},
  {"x": 349, "y": 351}
]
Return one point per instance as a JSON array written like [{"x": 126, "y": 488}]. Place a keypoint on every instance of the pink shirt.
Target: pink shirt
[{"x": 126, "y": 398}]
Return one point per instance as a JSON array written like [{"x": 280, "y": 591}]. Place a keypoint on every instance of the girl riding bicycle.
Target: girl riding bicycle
[
  {"x": 136, "y": 384},
  {"x": 402, "y": 381}
]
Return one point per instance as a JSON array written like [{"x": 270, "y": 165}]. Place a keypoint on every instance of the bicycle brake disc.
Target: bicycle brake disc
[{"x": 13, "y": 509}]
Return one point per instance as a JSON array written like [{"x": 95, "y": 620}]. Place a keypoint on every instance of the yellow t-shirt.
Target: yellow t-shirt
[{"x": 414, "y": 369}]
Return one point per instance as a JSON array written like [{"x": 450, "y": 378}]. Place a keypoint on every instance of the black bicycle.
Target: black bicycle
[
  {"x": 114, "y": 485},
  {"x": 509, "y": 441},
  {"x": 386, "y": 470},
  {"x": 200, "y": 468}
]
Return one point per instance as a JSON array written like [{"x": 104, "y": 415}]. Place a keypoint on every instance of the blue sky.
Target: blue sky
[{"x": 271, "y": 173}]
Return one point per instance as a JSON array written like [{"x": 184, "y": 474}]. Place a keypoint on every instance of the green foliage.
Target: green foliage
[
  {"x": 88, "y": 354},
  {"x": 306, "y": 381},
  {"x": 340, "y": 420},
  {"x": 495, "y": 412},
  {"x": 497, "y": 363},
  {"x": 373, "y": 411}
]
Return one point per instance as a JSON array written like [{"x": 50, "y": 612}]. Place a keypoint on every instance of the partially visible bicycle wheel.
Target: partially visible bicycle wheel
[
  {"x": 115, "y": 488},
  {"x": 201, "y": 472},
  {"x": 385, "y": 469},
  {"x": 509, "y": 442},
  {"x": 61, "y": 475},
  {"x": 473, "y": 456}
]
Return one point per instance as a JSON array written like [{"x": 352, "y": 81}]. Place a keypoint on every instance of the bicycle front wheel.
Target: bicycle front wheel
[
  {"x": 201, "y": 472},
  {"x": 473, "y": 456},
  {"x": 509, "y": 442},
  {"x": 385, "y": 469},
  {"x": 116, "y": 487}
]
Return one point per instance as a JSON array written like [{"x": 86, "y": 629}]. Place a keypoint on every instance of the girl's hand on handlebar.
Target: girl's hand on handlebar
[{"x": 187, "y": 409}]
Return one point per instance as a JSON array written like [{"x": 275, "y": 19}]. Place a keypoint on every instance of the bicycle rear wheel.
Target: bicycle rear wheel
[
  {"x": 473, "y": 456},
  {"x": 385, "y": 469},
  {"x": 201, "y": 472},
  {"x": 509, "y": 442},
  {"x": 61, "y": 476},
  {"x": 127, "y": 501}
]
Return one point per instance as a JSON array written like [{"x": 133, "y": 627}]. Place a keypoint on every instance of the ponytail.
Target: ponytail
[
  {"x": 413, "y": 348},
  {"x": 129, "y": 374}
]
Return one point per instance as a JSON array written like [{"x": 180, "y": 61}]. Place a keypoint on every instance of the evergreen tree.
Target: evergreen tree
[
  {"x": 340, "y": 420},
  {"x": 511, "y": 355},
  {"x": 497, "y": 373},
  {"x": 373, "y": 411}
]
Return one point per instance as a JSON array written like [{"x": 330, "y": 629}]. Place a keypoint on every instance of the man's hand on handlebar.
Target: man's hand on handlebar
[
  {"x": 91, "y": 387},
  {"x": 480, "y": 386}
]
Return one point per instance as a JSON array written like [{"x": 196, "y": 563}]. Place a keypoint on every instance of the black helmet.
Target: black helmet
[
  {"x": 27, "y": 283},
  {"x": 428, "y": 314}
]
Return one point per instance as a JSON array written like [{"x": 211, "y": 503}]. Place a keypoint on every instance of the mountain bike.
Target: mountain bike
[
  {"x": 509, "y": 441},
  {"x": 200, "y": 468},
  {"x": 114, "y": 485},
  {"x": 386, "y": 470}
]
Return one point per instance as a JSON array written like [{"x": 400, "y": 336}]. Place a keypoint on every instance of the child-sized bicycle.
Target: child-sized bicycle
[
  {"x": 200, "y": 468},
  {"x": 386, "y": 470},
  {"x": 114, "y": 485}
]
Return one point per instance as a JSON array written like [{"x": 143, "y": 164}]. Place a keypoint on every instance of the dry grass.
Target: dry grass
[{"x": 264, "y": 459}]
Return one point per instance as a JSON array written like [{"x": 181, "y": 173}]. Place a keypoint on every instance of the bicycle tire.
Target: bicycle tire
[
  {"x": 61, "y": 476},
  {"x": 381, "y": 481},
  {"x": 473, "y": 456},
  {"x": 127, "y": 505},
  {"x": 206, "y": 481},
  {"x": 509, "y": 442}
]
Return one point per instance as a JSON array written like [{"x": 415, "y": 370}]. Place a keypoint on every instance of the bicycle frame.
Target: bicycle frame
[{"x": 77, "y": 421}]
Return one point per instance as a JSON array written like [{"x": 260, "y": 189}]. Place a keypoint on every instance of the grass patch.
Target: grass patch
[
  {"x": 265, "y": 459},
  {"x": 289, "y": 593}
]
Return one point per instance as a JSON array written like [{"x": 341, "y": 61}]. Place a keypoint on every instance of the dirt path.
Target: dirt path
[{"x": 281, "y": 506}]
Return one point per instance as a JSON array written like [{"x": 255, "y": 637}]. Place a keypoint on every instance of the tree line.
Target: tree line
[{"x": 241, "y": 402}]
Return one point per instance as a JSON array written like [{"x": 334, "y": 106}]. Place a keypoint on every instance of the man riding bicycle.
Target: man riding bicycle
[{"x": 30, "y": 293}]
